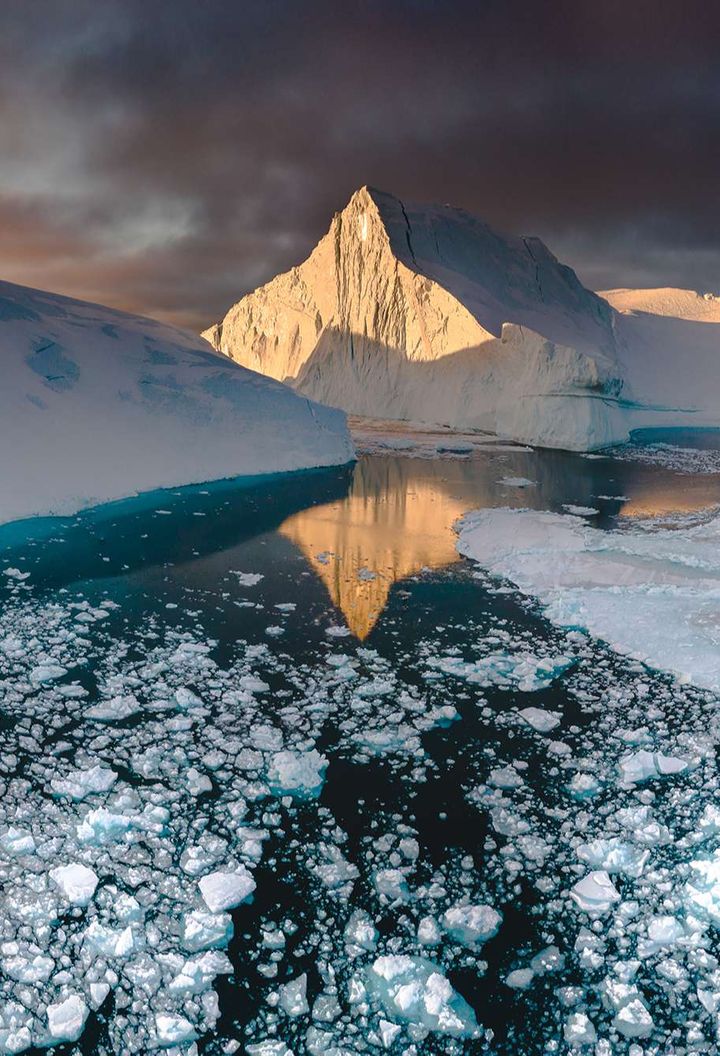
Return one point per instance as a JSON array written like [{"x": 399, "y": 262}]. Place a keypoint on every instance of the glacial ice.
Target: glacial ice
[
  {"x": 585, "y": 577},
  {"x": 413, "y": 990},
  {"x": 129, "y": 405},
  {"x": 624, "y": 875},
  {"x": 221, "y": 891}
]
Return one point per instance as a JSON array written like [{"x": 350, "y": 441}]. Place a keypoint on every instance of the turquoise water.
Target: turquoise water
[{"x": 223, "y": 625}]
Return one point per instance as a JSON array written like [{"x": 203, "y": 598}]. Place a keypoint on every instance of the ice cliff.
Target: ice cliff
[
  {"x": 425, "y": 313},
  {"x": 96, "y": 405}
]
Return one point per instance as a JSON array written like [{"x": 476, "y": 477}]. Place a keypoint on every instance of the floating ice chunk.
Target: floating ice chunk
[
  {"x": 17, "y": 842},
  {"x": 505, "y": 777},
  {"x": 203, "y": 931},
  {"x": 516, "y": 482},
  {"x": 76, "y": 881},
  {"x": 662, "y": 931},
  {"x": 293, "y": 997},
  {"x": 198, "y": 782},
  {"x": 643, "y": 826},
  {"x": 548, "y": 960},
  {"x": 392, "y": 883},
  {"x": 247, "y": 579},
  {"x": 98, "y": 993},
  {"x": 117, "y": 709},
  {"x": 221, "y": 891},
  {"x": 520, "y": 979},
  {"x": 428, "y": 932},
  {"x": 595, "y": 893},
  {"x": 67, "y": 1018},
  {"x": 47, "y": 673},
  {"x": 77, "y": 784},
  {"x": 197, "y": 973},
  {"x": 15, "y": 573},
  {"x": 471, "y": 925},
  {"x": 578, "y": 1030},
  {"x": 541, "y": 720},
  {"x": 269, "y": 1047},
  {"x": 185, "y": 698},
  {"x": 102, "y": 825},
  {"x": 708, "y": 824},
  {"x": 388, "y": 1032},
  {"x": 110, "y": 942},
  {"x": 633, "y": 1020},
  {"x": 614, "y": 856},
  {"x": 24, "y": 968},
  {"x": 646, "y": 766},
  {"x": 414, "y": 990},
  {"x": 297, "y": 773},
  {"x": 173, "y": 1030},
  {"x": 525, "y": 671},
  {"x": 580, "y": 511},
  {"x": 583, "y": 786}
]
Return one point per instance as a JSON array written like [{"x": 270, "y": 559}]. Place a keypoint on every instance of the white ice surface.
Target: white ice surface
[
  {"x": 97, "y": 405},
  {"x": 654, "y": 594}
]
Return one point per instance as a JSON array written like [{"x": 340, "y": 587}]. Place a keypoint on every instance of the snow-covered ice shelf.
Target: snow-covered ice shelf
[{"x": 98, "y": 405}]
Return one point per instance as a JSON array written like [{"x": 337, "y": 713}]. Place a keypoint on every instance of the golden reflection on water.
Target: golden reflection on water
[
  {"x": 389, "y": 527},
  {"x": 398, "y": 515}
]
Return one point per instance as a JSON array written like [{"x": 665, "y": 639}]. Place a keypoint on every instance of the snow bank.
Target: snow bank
[
  {"x": 650, "y": 592},
  {"x": 97, "y": 405}
]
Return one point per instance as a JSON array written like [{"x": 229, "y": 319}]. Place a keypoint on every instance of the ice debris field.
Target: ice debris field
[{"x": 481, "y": 832}]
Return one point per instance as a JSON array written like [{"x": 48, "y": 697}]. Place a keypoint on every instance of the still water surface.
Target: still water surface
[{"x": 330, "y": 612}]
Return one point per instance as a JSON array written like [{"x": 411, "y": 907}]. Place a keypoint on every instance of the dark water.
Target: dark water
[{"x": 362, "y": 563}]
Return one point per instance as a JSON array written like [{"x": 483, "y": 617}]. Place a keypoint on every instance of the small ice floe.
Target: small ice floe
[
  {"x": 17, "y": 842},
  {"x": 297, "y": 773},
  {"x": 578, "y": 1030},
  {"x": 595, "y": 893},
  {"x": 292, "y": 997},
  {"x": 516, "y": 482},
  {"x": 173, "y": 1030},
  {"x": 471, "y": 925},
  {"x": 646, "y": 766},
  {"x": 614, "y": 856},
  {"x": 76, "y": 882},
  {"x": 247, "y": 579},
  {"x": 205, "y": 931},
  {"x": 336, "y": 630},
  {"x": 415, "y": 991},
  {"x": 77, "y": 784},
  {"x": 66, "y": 1019},
  {"x": 225, "y": 890},
  {"x": 523, "y": 671},
  {"x": 580, "y": 511},
  {"x": 16, "y": 574},
  {"x": 116, "y": 709},
  {"x": 47, "y": 673},
  {"x": 541, "y": 720},
  {"x": 520, "y": 978}
]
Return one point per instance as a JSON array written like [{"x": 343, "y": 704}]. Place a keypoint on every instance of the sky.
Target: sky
[{"x": 168, "y": 156}]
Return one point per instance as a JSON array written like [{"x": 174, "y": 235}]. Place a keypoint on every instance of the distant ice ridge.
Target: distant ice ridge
[
  {"x": 424, "y": 313},
  {"x": 654, "y": 594},
  {"x": 97, "y": 405}
]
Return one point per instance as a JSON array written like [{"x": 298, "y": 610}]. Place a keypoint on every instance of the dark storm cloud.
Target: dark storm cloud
[{"x": 169, "y": 155}]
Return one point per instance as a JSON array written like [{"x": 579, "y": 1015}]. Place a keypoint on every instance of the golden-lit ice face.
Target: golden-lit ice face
[{"x": 392, "y": 524}]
